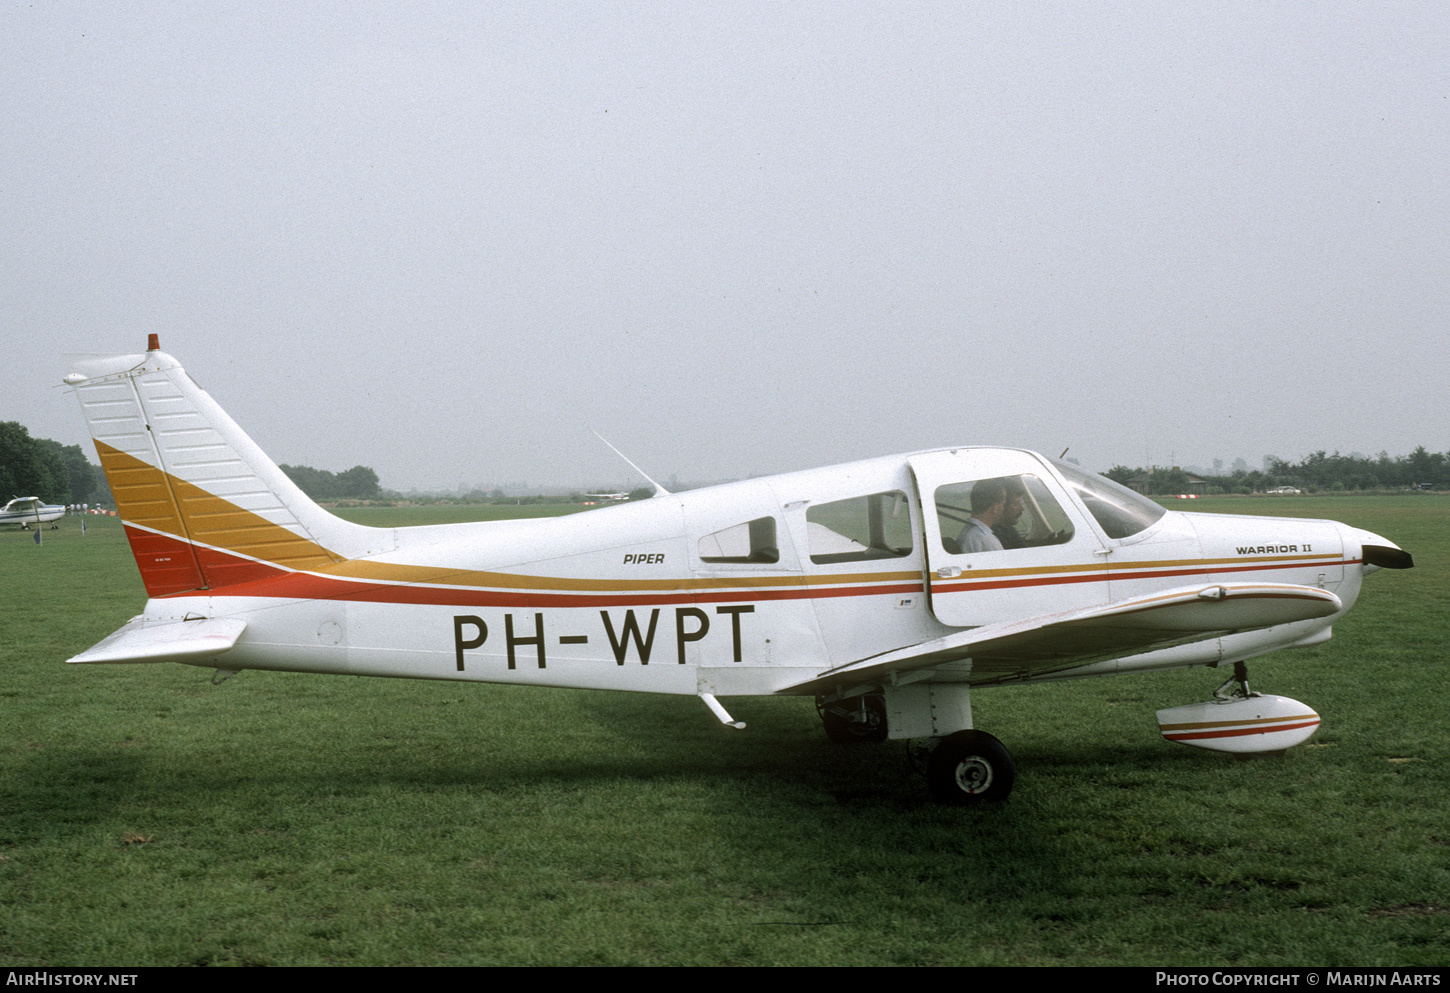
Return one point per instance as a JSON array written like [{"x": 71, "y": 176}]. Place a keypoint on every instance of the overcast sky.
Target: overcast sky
[{"x": 444, "y": 240}]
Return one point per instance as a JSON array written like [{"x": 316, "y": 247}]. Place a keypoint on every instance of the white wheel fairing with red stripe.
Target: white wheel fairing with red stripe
[
  {"x": 836, "y": 581},
  {"x": 1259, "y": 723}
]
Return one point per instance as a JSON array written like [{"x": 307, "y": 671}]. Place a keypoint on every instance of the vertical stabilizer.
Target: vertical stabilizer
[{"x": 203, "y": 506}]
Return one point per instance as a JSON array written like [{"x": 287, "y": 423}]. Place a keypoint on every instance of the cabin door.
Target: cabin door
[{"x": 1004, "y": 539}]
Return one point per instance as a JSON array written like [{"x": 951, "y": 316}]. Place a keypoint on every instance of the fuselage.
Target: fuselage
[{"x": 757, "y": 586}]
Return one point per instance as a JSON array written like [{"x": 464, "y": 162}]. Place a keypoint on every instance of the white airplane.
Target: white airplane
[
  {"x": 616, "y": 497},
  {"x": 26, "y": 511},
  {"x": 887, "y": 589}
]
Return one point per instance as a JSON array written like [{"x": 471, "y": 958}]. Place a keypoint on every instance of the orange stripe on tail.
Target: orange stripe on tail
[{"x": 182, "y": 533}]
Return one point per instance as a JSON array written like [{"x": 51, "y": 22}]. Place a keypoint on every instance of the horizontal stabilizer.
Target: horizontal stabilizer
[
  {"x": 167, "y": 641},
  {"x": 1053, "y": 642}
]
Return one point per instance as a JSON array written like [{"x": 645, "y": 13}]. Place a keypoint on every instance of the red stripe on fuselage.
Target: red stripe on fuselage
[
  {"x": 306, "y": 586},
  {"x": 1123, "y": 575},
  {"x": 247, "y": 578}
]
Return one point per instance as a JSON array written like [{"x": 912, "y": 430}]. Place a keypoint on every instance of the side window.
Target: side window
[
  {"x": 860, "y": 529},
  {"x": 1006, "y": 512},
  {"x": 753, "y": 541}
]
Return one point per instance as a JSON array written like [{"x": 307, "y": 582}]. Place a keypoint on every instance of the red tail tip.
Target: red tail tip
[{"x": 153, "y": 343}]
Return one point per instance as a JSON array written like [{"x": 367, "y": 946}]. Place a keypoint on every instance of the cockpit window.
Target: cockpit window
[{"x": 1121, "y": 512}]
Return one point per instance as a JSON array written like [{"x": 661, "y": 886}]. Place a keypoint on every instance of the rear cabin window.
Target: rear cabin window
[
  {"x": 860, "y": 529},
  {"x": 753, "y": 541}
]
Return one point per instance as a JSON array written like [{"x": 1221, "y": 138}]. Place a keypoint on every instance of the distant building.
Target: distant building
[{"x": 1159, "y": 481}]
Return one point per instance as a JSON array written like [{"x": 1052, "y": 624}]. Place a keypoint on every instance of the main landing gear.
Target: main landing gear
[
  {"x": 969, "y": 767},
  {"x": 962, "y": 767}
]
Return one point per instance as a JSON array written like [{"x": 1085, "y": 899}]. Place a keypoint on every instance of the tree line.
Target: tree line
[
  {"x": 57, "y": 473},
  {"x": 62, "y": 474},
  {"x": 1320, "y": 471},
  {"x": 358, "y": 483},
  {"x": 47, "y": 469}
]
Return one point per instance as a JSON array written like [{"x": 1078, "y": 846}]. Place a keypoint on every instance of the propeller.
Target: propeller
[{"x": 1387, "y": 558}]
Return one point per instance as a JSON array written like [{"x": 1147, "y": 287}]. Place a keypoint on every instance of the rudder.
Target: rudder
[{"x": 203, "y": 506}]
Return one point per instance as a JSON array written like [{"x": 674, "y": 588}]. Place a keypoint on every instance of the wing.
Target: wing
[
  {"x": 173, "y": 641},
  {"x": 1073, "y": 638}
]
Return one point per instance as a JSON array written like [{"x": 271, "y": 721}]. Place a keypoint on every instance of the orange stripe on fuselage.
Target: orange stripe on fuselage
[
  {"x": 505, "y": 590},
  {"x": 1145, "y": 570},
  {"x": 311, "y": 586},
  {"x": 236, "y": 549},
  {"x": 542, "y": 591},
  {"x": 396, "y": 572}
]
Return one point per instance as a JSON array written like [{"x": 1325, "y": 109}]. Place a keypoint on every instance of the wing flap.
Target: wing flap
[
  {"x": 167, "y": 641},
  {"x": 1072, "y": 638}
]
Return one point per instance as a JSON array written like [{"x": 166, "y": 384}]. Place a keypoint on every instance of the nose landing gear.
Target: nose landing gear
[
  {"x": 1240, "y": 691},
  {"x": 1240, "y": 721}
]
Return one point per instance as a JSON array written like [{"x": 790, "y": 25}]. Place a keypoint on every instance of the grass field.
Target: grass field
[{"x": 148, "y": 817}]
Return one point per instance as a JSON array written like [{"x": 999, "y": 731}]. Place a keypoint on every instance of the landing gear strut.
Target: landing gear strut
[{"x": 1241, "y": 691}]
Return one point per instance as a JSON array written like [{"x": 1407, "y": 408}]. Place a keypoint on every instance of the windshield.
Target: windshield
[{"x": 1121, "y": 512}]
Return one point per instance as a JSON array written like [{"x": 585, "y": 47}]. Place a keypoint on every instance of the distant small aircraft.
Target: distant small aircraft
[
  {"x": 618, "y": 497},
  {"x": 26, "y": 511},
  {"x": 886, "y": 589}
]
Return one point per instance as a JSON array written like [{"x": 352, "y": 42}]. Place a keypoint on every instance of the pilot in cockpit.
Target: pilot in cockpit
[{"x": 996, "y": 506}]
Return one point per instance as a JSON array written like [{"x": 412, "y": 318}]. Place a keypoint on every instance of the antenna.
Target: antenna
[{"x": 659, "y": 490}]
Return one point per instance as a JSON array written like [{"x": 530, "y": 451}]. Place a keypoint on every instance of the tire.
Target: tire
[
  {"x": 846, "y": 721},
  {"x": 970, "y": 767}
]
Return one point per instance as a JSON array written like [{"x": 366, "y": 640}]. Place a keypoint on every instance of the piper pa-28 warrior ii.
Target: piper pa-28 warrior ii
[{"x": 886, "y": 589}]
